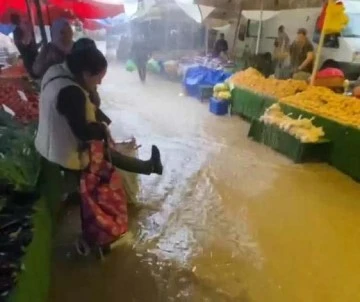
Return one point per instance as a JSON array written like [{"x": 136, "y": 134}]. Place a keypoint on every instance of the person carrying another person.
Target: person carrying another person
[
  {"x": 25, "y": 42},
  {"x": 67, "y": 117},
  {"x": 221, "y": 46},
  {"x": 302, "y": 56},
  {"x": 56, "y": 50}
]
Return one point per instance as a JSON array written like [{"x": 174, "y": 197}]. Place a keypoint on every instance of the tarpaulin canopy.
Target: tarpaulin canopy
[{"x": 200, "y": 75}]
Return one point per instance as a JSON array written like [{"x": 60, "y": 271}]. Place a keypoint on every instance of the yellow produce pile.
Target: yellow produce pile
[
  {"x": 302, "y": 128},
  {"x": 255, "y": 81},
  {"x": 323, "y": 101},
  {"x": 222, "y": 92}
]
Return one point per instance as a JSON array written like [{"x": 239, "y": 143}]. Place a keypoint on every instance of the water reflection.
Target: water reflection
[{"x": 230, "y": 220}]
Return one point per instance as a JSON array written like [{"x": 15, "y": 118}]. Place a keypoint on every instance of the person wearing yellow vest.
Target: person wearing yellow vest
[{"x": 67, "y": 117}]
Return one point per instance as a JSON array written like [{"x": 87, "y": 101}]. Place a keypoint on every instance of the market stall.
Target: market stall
[{"x": 337, "y": 114}]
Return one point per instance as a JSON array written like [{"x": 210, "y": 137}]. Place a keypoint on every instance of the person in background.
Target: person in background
[
  {"x": 140, "y": 53},
  {"x": 281, "y": 61},
  {"x": 302, "y": 56},
  {"x": 25, "y": 42},
  {"x": 221, "y": 46},
  {"x": 56, "y": 50},
  {"x": 283, "y": 39}
]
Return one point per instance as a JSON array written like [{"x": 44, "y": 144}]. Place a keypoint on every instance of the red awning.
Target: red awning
[
  {"x": 69, "y": 9},
  {"x": 90, "y": 9},
  {"x": 7, "y": 7}
]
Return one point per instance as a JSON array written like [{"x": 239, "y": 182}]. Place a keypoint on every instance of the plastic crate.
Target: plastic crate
[
  {"x": 218, "y": 107},
  {"x": 289, "y": 145}
]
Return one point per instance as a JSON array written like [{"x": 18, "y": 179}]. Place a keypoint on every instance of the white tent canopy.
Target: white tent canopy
[
  {"x": 255, "y": 15},
  {"x": 151, "y": 9}
]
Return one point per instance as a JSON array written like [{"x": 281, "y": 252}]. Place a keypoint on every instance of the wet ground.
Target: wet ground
[{"x": 230, "y": 220}]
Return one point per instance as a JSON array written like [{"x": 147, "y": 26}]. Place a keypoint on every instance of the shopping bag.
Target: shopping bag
[
  {"x": 104, "y": 216},
  {"x": 130, "y": 66}
]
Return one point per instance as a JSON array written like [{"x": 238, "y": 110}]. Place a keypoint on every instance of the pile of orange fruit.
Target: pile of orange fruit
[
  {"x": 324, "y": 102},
  {"x": 253, "y": 80}
]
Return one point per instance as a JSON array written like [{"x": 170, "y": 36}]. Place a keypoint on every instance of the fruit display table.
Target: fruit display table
[
  {"x": 345, "y": 151},
  {"x": 288, "y": 144}
]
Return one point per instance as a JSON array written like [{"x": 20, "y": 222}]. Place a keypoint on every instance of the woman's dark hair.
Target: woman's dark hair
[
  {"x": 89, "y": 60},
  {"x": 83, "y": 43}
]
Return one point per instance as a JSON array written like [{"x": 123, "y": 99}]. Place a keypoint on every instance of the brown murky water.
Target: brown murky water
[{"x": 230, "y": 220}]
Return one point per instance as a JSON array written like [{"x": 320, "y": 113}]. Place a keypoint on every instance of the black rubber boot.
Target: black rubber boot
[{"x": 157, "y": 166}]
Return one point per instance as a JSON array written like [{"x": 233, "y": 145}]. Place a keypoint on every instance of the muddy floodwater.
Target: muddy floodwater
[{"x": 230, "y": 219}]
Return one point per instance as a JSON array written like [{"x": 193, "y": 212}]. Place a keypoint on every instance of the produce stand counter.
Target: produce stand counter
[
  {"x": 34, "y": 281},
  {"x": 345, "y": 150},
  {"x": 19, "y": 162}
]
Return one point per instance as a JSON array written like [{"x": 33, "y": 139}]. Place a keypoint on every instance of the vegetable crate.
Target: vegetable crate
[
  {"x": 218, "y": 107},
  {"x": 289, "y": 145}
]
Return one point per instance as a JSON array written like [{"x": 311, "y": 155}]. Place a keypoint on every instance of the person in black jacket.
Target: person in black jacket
[
  {"x": 141, "y": 54},
  {"x": 221, "y": 46},
  {"x": 25, "y": 43}
]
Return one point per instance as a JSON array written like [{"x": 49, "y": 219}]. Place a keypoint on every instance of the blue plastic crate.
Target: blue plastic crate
[{"x": 218, "y": 107}]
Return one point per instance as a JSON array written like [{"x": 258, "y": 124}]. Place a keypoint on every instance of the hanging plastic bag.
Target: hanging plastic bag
[
  {"x": 153, "y": 66},
  {"x": 130, "y": 66}
]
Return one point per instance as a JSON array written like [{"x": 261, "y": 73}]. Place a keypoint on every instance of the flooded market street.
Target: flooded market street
[{"x": 230, "y": 219}]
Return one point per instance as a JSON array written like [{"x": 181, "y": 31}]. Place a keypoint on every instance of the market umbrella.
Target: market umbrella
[
  {"x": 7, "y": 7},
  {"x": 49, "y": 12},
  {"x": 89, "y": 9}
]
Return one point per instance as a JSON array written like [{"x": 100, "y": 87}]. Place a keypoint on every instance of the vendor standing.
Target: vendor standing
[
  {"x": 302, "y": 56},
  {"x": 25, "y": 42},
  {"x": 221, "y": 46}
]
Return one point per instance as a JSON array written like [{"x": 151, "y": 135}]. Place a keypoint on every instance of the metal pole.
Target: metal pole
[
  {"x": 260, "y": 27},
  {"x": 48, "y": 14},
  {"x": 31, "y": 19},
  {"x": 236, "y": 31},
  {"x": 206, "y": 39},
  {"x": 41, "y": 21}
]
